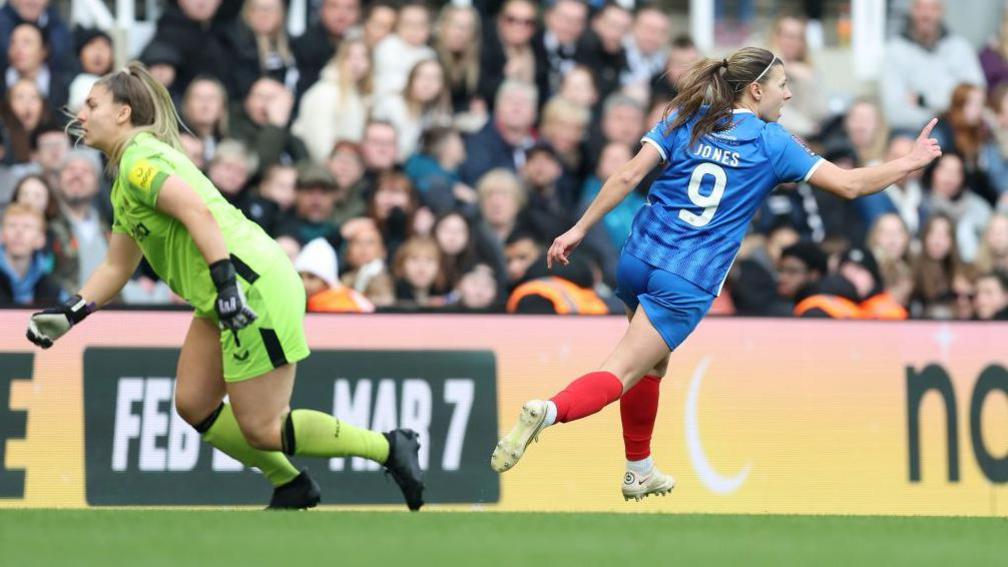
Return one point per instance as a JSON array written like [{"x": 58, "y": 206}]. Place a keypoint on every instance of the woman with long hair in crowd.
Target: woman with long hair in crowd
[
  {"x": 949, "y": 194},
  {"x": 963, "y": 130},
  {"x": 205, "y": 112},
  {"x": 337, "y": 105},
  {"x": 261, "y": 45},
  {"x": 993, "y": 253},
  {"x": 393, "y": 207},
  {"x": 723, "y": 153},
  {"x": 934, "y": 269},
  {"x": 419, "y": 275},
  {"x": 22, "y": 111},
  {"x": 423, "y": 104},
  {"x": 888, "y": 239},
  {"x": 457, "y": 42},
  {"x": 247, "y": 334}
]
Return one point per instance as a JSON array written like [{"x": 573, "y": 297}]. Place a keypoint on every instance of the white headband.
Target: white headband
[{"x": 760, "y": 76}]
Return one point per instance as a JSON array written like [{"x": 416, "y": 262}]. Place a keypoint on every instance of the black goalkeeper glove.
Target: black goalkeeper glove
[
  {"x": 232, "y": 309},
  {"x": 50, "y": 324}
]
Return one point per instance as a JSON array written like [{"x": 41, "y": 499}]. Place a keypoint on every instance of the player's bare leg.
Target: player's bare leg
[
  {"x": 640, "y": 349},
  {"x": 199, "y": 394},
  {"x": 199, "y": 382},
  {"x": 638, "y": 410}
]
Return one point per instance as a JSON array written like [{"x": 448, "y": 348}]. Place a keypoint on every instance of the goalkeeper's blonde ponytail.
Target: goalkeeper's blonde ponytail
[{"x": 152, "y": 108}]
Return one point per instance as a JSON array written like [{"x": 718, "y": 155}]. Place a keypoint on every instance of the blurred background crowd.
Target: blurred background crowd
[{"x": 422, "y": 156}]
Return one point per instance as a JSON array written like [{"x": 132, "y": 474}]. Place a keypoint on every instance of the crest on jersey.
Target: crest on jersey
[{"x": 142, "y": 175}]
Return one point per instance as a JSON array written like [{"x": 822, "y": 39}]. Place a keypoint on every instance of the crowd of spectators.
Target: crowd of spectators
[{"x": 415, "y": 156}]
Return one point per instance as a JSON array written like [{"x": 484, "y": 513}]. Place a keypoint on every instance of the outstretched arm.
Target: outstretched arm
[
  {"x": 615, "y": 189},
  {"x": 853, "y": 183},
  {"x": 108, "y": 278}
]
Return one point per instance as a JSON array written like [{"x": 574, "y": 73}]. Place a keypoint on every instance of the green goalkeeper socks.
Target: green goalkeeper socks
[
  {"x": 223, "y": 432},
  {"x": 316, "y": 434}
]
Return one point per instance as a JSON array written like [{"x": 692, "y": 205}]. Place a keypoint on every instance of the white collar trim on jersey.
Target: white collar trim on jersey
[{"x": 741, "y": 111}]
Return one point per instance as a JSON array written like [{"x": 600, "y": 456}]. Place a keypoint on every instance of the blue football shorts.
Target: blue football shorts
[{"x": 673, "y": 304}]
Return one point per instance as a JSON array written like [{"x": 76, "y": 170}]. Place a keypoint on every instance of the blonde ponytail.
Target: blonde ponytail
[{"x": 153, "y": 110}]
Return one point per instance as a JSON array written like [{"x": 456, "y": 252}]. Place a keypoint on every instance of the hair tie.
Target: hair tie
[{"x": 724, "y": 62}]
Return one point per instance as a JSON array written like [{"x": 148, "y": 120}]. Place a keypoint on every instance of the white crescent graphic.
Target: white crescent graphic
[{"x": 710, "y": 478}]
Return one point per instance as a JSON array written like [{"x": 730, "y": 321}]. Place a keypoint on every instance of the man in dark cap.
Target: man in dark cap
[{"x": 313, "y": 205}]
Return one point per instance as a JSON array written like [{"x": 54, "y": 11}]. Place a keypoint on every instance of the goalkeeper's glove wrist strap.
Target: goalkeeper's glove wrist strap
[
  {"x": 222, "y": 273},
  {"x": 77, "y": 308}
]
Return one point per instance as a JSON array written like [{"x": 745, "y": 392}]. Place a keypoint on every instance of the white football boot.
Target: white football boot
[
  {"x": 511, "y": 447},
  {"x": 640, "y": 486}
]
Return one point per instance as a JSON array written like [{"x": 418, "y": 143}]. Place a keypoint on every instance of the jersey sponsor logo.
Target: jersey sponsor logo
[
  {"x": 142, "y": 175},
  {"x": 140, "y": 232}
]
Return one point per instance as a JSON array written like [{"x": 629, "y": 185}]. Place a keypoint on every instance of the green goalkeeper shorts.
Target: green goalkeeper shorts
[{"x": 277, "y": 335}]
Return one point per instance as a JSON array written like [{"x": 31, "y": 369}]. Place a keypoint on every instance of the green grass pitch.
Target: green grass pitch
[{"x": 333, "y": 537}]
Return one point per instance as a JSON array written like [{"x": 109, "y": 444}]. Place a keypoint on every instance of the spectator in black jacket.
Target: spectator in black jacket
[
  {"x": 260, "y": 45},
  {"x": 274, "y": 203},
  {"x": 201, "y": 40},
  {"x": 602, "y": 47},
  {"x": 557, "y": 44},
  {"x": 647, "y": 46},
  {"x": 508, "y": 53}
]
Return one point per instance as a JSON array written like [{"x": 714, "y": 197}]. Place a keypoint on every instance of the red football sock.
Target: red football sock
[
  {"x": 587, "y": 395},
  {"x": 638, "y": 409}
]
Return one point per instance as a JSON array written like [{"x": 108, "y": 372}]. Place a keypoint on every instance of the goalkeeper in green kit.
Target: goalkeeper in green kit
[{"x": 247, "y": 334}]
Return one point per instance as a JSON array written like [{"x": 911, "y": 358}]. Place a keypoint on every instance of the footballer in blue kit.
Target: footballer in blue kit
[
  {"x": 698, "y": 211},
  {"x": 722, "y": 152}
]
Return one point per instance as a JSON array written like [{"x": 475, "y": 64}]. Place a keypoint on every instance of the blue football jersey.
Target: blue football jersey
[{"x": 698, "y": 209}]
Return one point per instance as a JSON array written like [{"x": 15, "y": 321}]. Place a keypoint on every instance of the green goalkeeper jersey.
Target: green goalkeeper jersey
[{"x": 146, "y": 164}]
